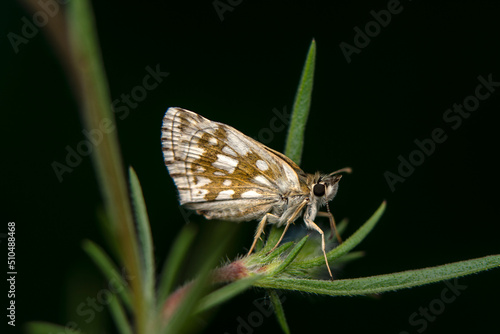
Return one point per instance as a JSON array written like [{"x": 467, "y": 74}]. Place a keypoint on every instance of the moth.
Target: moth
[{"x": 223, "y": 174}]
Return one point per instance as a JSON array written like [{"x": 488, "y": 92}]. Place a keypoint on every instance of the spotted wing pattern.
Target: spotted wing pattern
[{"x": 221, "y": 172}]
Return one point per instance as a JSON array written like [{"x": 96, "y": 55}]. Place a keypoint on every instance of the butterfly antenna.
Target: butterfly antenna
[{"x": 342, "y": 170}]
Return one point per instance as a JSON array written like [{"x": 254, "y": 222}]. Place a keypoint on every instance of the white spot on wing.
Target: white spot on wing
[
  {"x": 263, "y": 181},
  {"x": 225, "y": 194},
  {"x": 212, "y": 141},
  {"x": 227, "y": 183},
  {"x": 250, "y": 194},
  {"x": 199, "y": 194},
  {"x": 229, "y": 150},
  {"x": 290, "y": 175},
  {"x": 262, "y": 165},
  {"x": 237, "y": 144},
  {"x": 185, "y": 196},
  {"x": 226, "y": 163},
  {"x": 202, "y": 181}
]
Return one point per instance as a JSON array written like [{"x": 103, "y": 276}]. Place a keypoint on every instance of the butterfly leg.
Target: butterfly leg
[
  {"x": 333, "y": 226},
  {"x": 282, "y": 235},
  {"x": 289, "y": 221},
  {"x": 312, "y": 225},
  {"x": 260, "y": 229}
]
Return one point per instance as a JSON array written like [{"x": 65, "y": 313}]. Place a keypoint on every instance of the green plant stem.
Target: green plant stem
[
  {"x": 383, "y": 283},
  {"x": 97, "y": 116}
]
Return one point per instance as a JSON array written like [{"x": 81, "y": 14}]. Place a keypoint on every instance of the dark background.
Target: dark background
[{"x": 364, "y": 114}]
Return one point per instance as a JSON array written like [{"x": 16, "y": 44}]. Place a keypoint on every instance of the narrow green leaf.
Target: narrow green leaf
[
  {"x": 226, "y": 292},
  {"x": 278, "y": 310},
  {"x": 291, "y": 256},
  {"x": 41, "y": 327},
  {"x": 272, "y": 239},
  {"x": 181, "y": 317},
  {"x": 301, "y": 106},
  {"x": 350, "y": 243},
  {"x": 383, "y": 283},
  {"x": 267, "y": 258},
  {"x": 144, "y": 235},
  {"x": 109, "y": 270},
  {"x": 185, "y": 307},
  {"x": 175, "y": 258},
  {"x": 119, "y": 316}
]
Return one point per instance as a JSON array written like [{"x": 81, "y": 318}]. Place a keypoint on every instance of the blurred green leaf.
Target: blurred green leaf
[
  {"x": 109, "y": 270},
  {"x": 174, "y": 261},
  {"x": 41, "y": 327},
  {"x": 195, "y": 290},
  {"x": 145, "y": 238},
  {"x": 119, "y": 316},
  {"x": 225, "y": 293}
]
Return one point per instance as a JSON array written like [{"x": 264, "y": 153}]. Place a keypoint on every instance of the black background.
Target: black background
[{"x": 364, "y": 114}]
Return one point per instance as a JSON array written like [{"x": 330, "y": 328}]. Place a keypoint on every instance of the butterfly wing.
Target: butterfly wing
[{"x": 221, "y": 172}]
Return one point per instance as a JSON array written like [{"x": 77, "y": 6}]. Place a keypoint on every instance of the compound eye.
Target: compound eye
[{"x": 319, "y": 189}]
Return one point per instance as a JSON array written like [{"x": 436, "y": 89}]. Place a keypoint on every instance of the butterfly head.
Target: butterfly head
[{"x": 325, "y": 187}]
